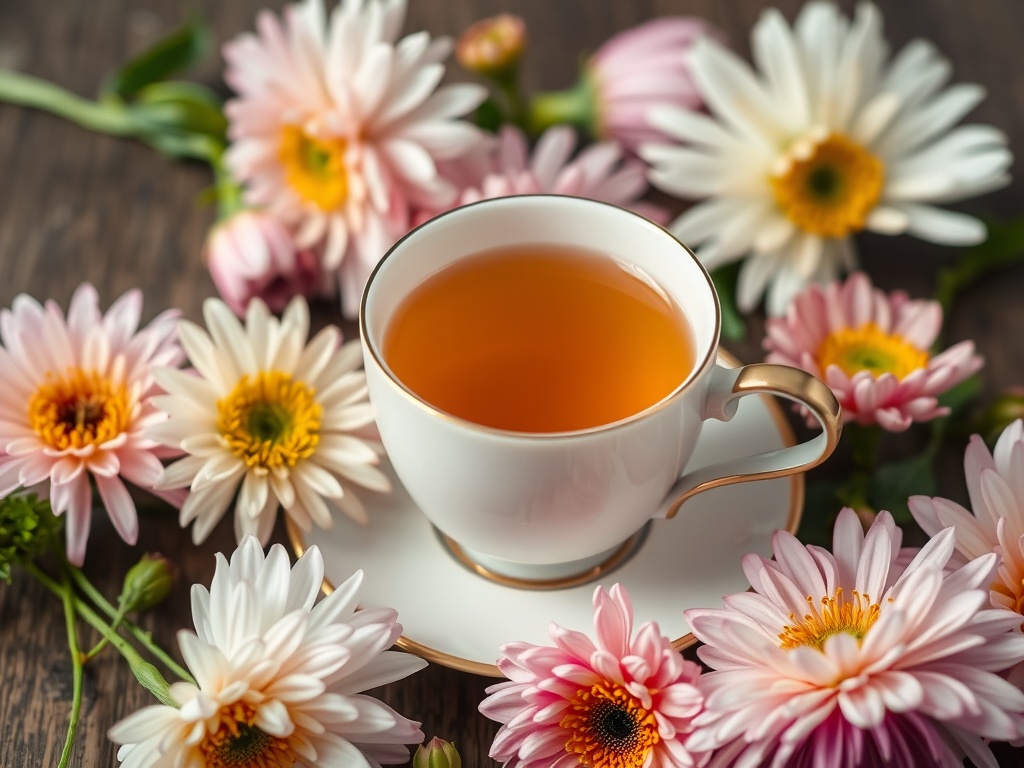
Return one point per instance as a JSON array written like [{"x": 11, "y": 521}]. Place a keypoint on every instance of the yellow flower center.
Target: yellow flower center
[
  {"x": 79, "y": 409},
  {"x": 833, "y": 616},
  {"x": 314, "y": 168},
  {"x": 609, "y": 728},
  {"x": 828, "y": 188},
  {"x": 270, "y": 420},
  {"x": 237, "y": 743},
  {"x": 869, "y": 348}
]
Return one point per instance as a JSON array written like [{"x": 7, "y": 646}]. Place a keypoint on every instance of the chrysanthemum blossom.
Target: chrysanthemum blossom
[
  {"x": 281, "y": 421},
  {"x": 849, "y": 659},
  {"x": 506, "y": 167},
  {"x": 872, "y": 349},
  {"x": 337, "y": 127},
  {"x": 827, "y": 138},
  {"x": 253, "y": 255},
  {"x": 278, "y": 679},
  {"x": 995, "y": 482},
  {"x": 618, "y": 701},
  {"x": 76, "y": 403}
]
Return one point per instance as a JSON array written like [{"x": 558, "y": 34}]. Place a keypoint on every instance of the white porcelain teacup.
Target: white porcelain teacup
[{"x": 543, "y": 508}]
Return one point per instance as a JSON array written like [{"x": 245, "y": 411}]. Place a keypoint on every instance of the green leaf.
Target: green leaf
[
  {"x": 174, "y": 53},
  {"x": 489, "y": 116},
  {"x": 734, "y": 327},
  {"x": 893, "y": 483},
  {"x": 821, "y": 505},
  {"x": 183, "y": 106}
]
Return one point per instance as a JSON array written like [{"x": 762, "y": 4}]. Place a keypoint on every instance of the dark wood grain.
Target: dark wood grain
[{"x": 76, "y": 206}]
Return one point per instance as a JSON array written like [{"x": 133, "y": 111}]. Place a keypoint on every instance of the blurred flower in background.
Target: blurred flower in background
[
  {"x": 632, "y": 72},
  {"x": 506, "y": 167},
  {"x": 76, "y": 404},
  {"x": 829, "y": 137},
  {"x": 872, "y": 349},
  {"x": 337, "y": 128}
]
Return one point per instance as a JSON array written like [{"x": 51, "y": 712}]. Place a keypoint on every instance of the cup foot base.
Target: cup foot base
[{"x": 546, "y": 576}]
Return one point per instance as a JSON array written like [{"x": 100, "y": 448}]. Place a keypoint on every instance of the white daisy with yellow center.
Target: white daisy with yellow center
[
  {"x": 281, "y": 421},
  {"x": 827, "y": 138}
]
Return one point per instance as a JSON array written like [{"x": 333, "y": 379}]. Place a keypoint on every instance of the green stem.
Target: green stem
[
  {"x": 103, "y": 643},
  {"x": 229, "y": 194},
  {"x": 855, "y": 492},
  {"x": 508, "y": 86},
  {"x": 68, "y": 598},
  {"x": 28, "y": 91},
  {"x": 148, "y": 675},
  {"x": 575, "y": 106},
  {"x": 144, "y": 638}
]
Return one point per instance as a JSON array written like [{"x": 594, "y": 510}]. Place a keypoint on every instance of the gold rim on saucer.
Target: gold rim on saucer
[
  {"x": 796, "y": 505},
  {"x": 620, "y": 556}
]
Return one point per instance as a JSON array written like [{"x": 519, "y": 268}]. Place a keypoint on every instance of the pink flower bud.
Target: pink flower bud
[
  {"x": 252, "y": 254},
  {"x": 492, "y": 47}
]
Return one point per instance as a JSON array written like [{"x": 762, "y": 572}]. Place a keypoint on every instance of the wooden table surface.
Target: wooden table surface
[{"x": 77, "y": 206}]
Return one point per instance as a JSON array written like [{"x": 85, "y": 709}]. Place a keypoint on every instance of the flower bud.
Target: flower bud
[
  {"x": 147, "y": 583},
  {"x": 492, "y": 47},
  {"x": 437, "y": 753}
]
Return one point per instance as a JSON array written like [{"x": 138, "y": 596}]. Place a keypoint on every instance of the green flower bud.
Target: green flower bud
[
  {"x": 147, "y": 583},
  {"x": 437, "y": 753},
  {"x": 27, "y": 529}
]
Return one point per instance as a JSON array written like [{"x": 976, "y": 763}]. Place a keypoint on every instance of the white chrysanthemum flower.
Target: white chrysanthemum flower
[
  {"x": 830, "y": 137},
  {"x": 278, "y": 680},
  {"x": 282, "y": 418},
  {"x": 337, "y": 127}
]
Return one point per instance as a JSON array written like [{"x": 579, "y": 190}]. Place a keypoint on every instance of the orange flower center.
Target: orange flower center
[
  {"x": 79, "y": 409},
  {"x": 869, "y": 348},
  {"x": 828, "y": 187},
  {"x": 609, "y": 728},
  {"x": 833, "y": 615},
  {"x": 314, "y": 168},
  {"x": 270, "y": 420},
  {"x": 237, "y": 743}
]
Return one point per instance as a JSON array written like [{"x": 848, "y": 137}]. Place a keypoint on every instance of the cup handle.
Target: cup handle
[{"x": 727, "y": 386}]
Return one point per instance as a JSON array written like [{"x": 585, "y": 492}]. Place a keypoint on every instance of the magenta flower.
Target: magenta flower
[
  {"x": 620, "y": 701},
  {"x": 872, "y": 350},
  {"x": 505, "y": 167},
  {"x": 848, "y": 659},
  {"x": 253, "y": 255},
  {"x": 995, "y": 482},
  {"x": 76, "y": 403}
]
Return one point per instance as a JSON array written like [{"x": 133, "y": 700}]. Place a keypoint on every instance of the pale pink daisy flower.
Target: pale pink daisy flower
[
  {"x": 849, "y": 659},
  {"x": 618, "y": 701},
  {"x": 278, "y": 679},
  {"x": 283, "y": 422},
  {"x": 995, "y": 483},
  {"x": 872, "y": 349},
  {"x": 506, "y": 167},
  {"x": 253, "y": 255},
  {"x": 337, "y": 127},
  {"x": 76, "y": 404}
]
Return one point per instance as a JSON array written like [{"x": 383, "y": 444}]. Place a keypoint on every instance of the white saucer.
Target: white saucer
[{"x": 459, "y": 619}]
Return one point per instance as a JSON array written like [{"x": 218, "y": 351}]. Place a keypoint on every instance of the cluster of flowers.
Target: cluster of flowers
[{"x": 341, "y": 141}]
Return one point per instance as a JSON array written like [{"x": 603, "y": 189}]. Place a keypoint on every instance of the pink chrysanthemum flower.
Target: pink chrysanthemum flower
[
  {"x": 278, "y": 679},
  {"x": 337, "y": 127},
  {"x": 76, "y": 402},
  {"x": 506, "y": 167},
  {"x": 848, "y": 659},
  {"x": 872, "y": 350},
  {"x": 616, "y": 702},
  {"x": 995, "y": 483}
]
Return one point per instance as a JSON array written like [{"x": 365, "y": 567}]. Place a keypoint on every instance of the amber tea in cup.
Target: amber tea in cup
[{"x": 539, "y": 338}]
